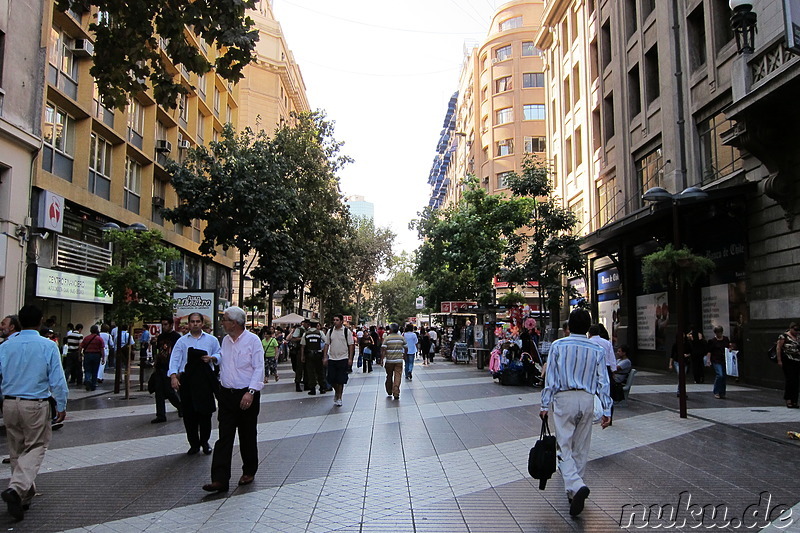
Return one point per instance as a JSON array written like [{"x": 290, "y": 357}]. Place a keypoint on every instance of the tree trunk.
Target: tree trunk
[
  {"x": 241, "y": 278},
  {"x": 357, "y": 317},
  {"x": 302, "y": 294},
  {"x": 270, "y": 301}
]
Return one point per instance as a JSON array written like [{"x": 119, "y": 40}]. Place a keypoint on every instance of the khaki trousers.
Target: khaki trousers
[
  {"x": 28, "y": 432},
  {"x": 572, "y": 414},
  {"x": 394, "y": 374}
]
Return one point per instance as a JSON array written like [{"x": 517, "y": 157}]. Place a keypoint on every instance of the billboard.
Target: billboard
[{"x": 202, "y": 302}]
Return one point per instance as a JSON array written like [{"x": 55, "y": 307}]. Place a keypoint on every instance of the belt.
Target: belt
[
  {"x": 234, "y": 390},
  {"x": 26, "y": 399}
]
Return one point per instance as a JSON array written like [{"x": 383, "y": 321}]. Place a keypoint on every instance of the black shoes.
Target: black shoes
[
  {"x": 207, "y": 449},
  {"x": 14, "y": 503},
  {"x": 297, "y": 387},
  {"x": 578, "y": 499},
  {"x": 193, "y": 450},
  {"x": 215, "y": 486},
  {"x": 312, "y": 392},
  {"x": 158, "y": 420}
]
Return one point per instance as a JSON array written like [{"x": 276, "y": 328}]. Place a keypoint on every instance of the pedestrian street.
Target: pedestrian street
[{"x": 449, "y": 455}]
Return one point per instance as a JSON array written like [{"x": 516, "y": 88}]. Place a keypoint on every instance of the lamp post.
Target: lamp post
[
  {"x": 136, "y": 227},
  {"x": 659, "y": 195},
  {"x": 743, "y": 22}
]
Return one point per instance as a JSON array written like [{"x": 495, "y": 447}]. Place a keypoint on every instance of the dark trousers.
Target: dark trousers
[
  {"x": 297, "y": 366},
  {"x": 91, "y": 364},
  {"x": 698, "y": 368},
  {"x": 198, "y": 425},
  {"x": 315, "y": 371},
  {"x": 72, "y": 368},
  {"x": 231, "y": 419},
  {"x": 367, "y": 362},
  {"x": 164, "y": 391},
  {"x": 791, "y": 371}
]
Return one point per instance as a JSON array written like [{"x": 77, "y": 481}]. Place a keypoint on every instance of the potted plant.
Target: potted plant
[{"x": 670, "y": 266}]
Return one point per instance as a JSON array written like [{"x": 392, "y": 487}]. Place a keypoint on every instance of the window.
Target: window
[
  {"x": 505, "y": 147},
  {"x": 183, "y": 110},
  {"x": 648, "y": 6},
  {"x": 533, "y": 111},
  {"x": 63, "y": 69},
  {"x": 529, "y": 49},
  {"x": 59, "y": 142},
  {"x": 723, "y": 32},
  {"x": 504, "y": 116},
  {"x": 228, "y": 114},
  {"x": 503, "y": 53},
  {"x": 568, "y": 156},
  {"x": 593, "y": 59},
  {"x": 608, "y": 117},
  {"x": 696, "y": 29},
  {"x": 510, "y": 24},
  {"x": 566, "y": 100},
  {"x": 535, "y": 144},
  {"x": 216, "y": 102},
  {"x": 135, "y": 123},
  {"x": 605, "y": 44},
  {"x": 634, "y": 91},
  {"x": 201, "y": 85},
  {"x": 503, "y": 84},
  {"x": 578, "y": 147},
  {"x": 718, "y": 160},
  {"x": 577, "y": 210},
  {"x": 101, "y": 112},
  {"x": 100, "y": 167},
  {"x": 650, "y": 170},
  {"x": 574, "y": 24},
  {"x": 576, "y": 84},
  {"x": 200, "y": 127},
  {"x": 159, "y": 194},
  {"x": 196, "y": 234},
  {"x": 133, "y": 185},
  {"x": 630, "y": 18},
  {"x": 485, "y": 124},
  {"x": 607, "y": 200},
  {"x": 652, "y": 86},
  {"x": 2, "y": 54},
  {"x": 485, "y": 62},
  {"x": 501, "y": 180},
  {"x": 596, "y": 129},
  {"x": 532, "y": 79}
]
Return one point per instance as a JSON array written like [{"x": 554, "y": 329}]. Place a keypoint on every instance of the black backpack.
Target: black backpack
[
  {"x": 313, "y": 342},
  {"x": 542, "y": 457}
]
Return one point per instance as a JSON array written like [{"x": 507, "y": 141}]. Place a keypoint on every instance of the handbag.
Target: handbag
[{"x": 542, "y": 457}]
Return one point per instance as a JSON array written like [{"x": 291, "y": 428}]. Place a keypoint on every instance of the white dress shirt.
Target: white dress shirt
[
  {"x": 241, "y": 362},
  {"x": 177, "y": 360},
  {"x": 608, "y": 351}
]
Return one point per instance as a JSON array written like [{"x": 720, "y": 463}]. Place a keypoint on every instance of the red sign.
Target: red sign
[
  {"x": 445, "y": 307},
  {"x": 456, "y": 307},
  {"x": 348, "y": 318}
]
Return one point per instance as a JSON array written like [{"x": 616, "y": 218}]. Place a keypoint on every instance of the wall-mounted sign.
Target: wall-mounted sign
[
  {"x": 51, "y": 212},
  {"x": 69, "y": 286},
  {"x": 608, "y": 280}
]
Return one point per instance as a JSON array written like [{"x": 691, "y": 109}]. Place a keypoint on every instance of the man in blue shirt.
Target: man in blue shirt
[
  {"x": 31, "y": 372},
  {"x": 576, "y": 371},
  {"x": 196, "y": 382}
]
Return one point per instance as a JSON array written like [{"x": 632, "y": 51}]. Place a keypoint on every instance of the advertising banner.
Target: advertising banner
[
  {"x": 608, "y": 315},
  {"x": 715, "y": 309},
  {"x": 195, "y": 302},
  {"x": 652, "y": 315},
  {"x": 69, "y": 286}
]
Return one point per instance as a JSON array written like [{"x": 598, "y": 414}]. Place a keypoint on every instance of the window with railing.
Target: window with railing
[
  {"x": 135, "y": 123},
  {"x": 100, "y": 167},
  {"x": 650, "y": 170},
  {"x": 718, "y": 160},
  {"x": 133, "y": 185},
  {"x": 63, "y": 68},
  {"x": 58, "y": 135}
]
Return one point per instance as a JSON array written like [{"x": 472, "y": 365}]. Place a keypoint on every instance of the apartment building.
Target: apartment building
[
  {"x": 21, "y": 82},
  {"x": 499, "y": 115},
  {"x": 108, "y": 165}
]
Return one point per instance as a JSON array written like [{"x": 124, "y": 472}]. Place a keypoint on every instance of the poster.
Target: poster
[
  {"x": 652, "y": 316},
  {"x": 187, "y": 302},
  {"x": 715, "y": 309},
  {"x": 608, "y": 315}
]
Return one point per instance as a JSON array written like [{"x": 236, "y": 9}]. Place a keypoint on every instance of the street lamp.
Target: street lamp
[
  {"x": 743, "y": 22},
  {"x": 659, "y": 195}
]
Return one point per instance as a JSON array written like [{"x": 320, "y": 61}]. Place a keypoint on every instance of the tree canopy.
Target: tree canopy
[
  {"x": 395, "y": 297},
  {"x": 137, "y": 40},
  {"x": 371, "y": 254}
]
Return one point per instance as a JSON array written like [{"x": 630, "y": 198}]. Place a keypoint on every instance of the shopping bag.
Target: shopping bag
[
  {"x": 542, "y": 457},
  {"x": 598, "y": 410},
  {"x": 101, "y": 370},
  {"x": 732, "y": 362}
]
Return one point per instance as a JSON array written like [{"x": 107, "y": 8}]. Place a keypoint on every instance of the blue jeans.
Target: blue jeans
[
  {"x": 91, "y": 363},
  {"x": 719, "y": 379},
  {"x": 410, "y": 363}
]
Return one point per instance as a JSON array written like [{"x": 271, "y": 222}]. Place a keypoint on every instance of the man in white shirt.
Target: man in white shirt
[
  {"x": 196, "y": 382},
  {"x": 241, "y": 376},
  {"x": 338, "y": 355}
]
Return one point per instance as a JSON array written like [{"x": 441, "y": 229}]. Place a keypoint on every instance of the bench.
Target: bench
[{"x": 626, "y": 389}]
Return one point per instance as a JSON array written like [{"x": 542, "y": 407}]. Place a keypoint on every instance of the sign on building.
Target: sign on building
[
  {"x": 51, "y": 212},
  {"x": 791, "y": 9},
  {"x": 187, "y": 302},
  {"x": 68, "y": 286}
]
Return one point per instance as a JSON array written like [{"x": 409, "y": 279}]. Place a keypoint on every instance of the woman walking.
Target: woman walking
[
  {"x": 93, "y": 347},
  {"x": 788, "y": 350},
  {"x": 270, "y": 345}
]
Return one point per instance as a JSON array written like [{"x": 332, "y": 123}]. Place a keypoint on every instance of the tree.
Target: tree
[
  {"x": 465, "y": 245},
  {"x": 140, "y": 40},
  {"x": 136, "y": 283},
  {"x": 553, "y": 251},
  {"x": 371, "y": 254},
  {"x": 395, "y": 297}
]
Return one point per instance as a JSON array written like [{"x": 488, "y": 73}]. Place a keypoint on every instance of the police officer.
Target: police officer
[{"x": 311, "y": 345}]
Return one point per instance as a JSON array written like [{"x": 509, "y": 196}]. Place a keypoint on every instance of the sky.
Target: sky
[{"x": 384, "y": 73}]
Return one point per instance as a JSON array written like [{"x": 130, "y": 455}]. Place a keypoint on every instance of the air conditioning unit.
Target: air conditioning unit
[
  {"x": 158, "y": 201},
  {"x": 82, "y": 48},
  {"x": 163, "y": 147},
  {"x": 183, "y": 144}
]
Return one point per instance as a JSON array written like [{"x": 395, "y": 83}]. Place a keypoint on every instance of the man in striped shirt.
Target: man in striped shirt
[
  {"x": 393, "y": 352},
  {"x": 576, "y": 371}
]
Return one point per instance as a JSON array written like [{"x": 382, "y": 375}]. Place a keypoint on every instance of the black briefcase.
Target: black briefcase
[{"x": 542, "y": 457}]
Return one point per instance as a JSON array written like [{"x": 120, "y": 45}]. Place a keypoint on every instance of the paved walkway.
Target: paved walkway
[{"x": 449, "y": 456}]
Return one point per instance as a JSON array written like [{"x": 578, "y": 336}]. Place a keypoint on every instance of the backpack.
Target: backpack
[{"x": 313, "y": 342}]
